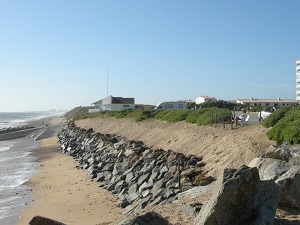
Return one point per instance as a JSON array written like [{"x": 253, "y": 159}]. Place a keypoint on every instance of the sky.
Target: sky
[{"x": 58, "y": 54}]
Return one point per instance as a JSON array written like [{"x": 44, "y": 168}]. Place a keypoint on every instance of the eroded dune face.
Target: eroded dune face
[{"x": 220, "y": 147}]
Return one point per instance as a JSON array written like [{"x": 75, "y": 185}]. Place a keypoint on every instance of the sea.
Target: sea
[{"x": 17, "y": 165}]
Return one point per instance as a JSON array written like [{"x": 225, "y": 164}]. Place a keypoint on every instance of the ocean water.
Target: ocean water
[
  {"x": 15, "y": 119},
  {"x": 17, "y": 165}
]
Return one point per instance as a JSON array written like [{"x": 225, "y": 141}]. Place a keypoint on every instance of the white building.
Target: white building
[
  {"x": 298, "y": 79},
  {"x": 266, "y": 102},
  {"x": 172, "y": 105},
  {"x": 203, "y": 99},
  {"x": 111, "y": 103}
]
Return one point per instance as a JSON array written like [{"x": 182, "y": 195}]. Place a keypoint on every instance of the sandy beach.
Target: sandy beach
[{"x": 64, "y": 193}]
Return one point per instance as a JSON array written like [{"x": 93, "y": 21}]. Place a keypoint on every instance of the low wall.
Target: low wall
[{"x": 18, "y": 134}]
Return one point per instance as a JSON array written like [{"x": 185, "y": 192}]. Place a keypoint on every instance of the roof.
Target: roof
[
  {"x": 120, "y": 100},
  {"x": 117, "y": 100},
  {"x": 253, "y": 100}
]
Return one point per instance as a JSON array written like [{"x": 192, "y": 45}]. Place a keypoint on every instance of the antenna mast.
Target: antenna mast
[{"x": 107, "y": 81}]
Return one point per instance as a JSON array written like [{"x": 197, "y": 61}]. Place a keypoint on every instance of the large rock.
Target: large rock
[
  {"x": 150, "y": 218},
  {"x": 40, "y": 220},
  {"x": 240, "y": 197}
]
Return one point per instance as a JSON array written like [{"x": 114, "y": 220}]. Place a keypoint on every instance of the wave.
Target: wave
[{"x": 6, "y": 146}]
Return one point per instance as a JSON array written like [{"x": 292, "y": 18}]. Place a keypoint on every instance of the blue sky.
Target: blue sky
[{"x": 55, "y": 53}]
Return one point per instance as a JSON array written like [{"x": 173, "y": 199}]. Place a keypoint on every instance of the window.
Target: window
[
  {"x": 125, "y": 106},
  {"x": 180, "y": 106},
  {"x": 169, "y": 106}
]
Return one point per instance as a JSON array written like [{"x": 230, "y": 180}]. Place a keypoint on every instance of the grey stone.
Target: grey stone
[
  {"x": 269, "y": 169},
  {"x": 157, "y": 185},
  {"x": 128, "y": 209},
  {"x": 108, "y": 167},
  {"x": 143, "y": 187},
  {"x": 123, "y": 204},
  {"x": 143, "y": 178},
  {"x": 129, "y": 177}
]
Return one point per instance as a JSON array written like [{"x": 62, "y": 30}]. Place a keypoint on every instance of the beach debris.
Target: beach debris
[
  {"x": 240, "y": 197},
  {"x": 138, "y": 175},
  {"x": 40, "y": 220}
]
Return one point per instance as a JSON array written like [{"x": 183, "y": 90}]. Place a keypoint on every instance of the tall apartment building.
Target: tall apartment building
[{"x": 298, "y": 79}]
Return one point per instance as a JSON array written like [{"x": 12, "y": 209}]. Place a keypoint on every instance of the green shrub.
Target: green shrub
[
  {"x": 255, "y": 108},
  {"x": 209, "y": 116},
  {"x": 291, "y": 133},
  {"x": 163, "y": 114},
  {"x": 194, "y": 114},
  {"x": 178, "y": 115},
  {"x": 139, "y": 115},
  {"x": 286, "y": 129},
  {"x": 277, "y": 115},
  {"x": 202, "y": 116}
]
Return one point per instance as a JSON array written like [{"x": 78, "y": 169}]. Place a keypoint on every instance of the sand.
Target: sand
[{"x": 64, "y": 193}]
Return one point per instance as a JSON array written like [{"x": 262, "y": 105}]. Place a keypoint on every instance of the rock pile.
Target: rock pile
[{"x": 138, "y": 175}]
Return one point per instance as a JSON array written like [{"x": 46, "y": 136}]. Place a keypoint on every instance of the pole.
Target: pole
[
  {"x": 216, "y": 120},
  {"x": 178, "y": 171}
]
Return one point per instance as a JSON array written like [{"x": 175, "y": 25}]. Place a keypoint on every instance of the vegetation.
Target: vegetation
[
  {"x": 220, "y": 104},
  {"x": 285, "y": 123},
  {"x": 202, "y": 116},
  {"x": 287, "y": 128},
  {"x": 77, "y": 112},
  {"x": 206, "y": 116},
  {"x": 277, "y": 115}
]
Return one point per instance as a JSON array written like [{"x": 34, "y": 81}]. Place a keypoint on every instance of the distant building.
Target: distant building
[
  {"x": 171, "y": 105},
  {"x": 298, "y": 79},
  {"x": 111, "y": 103},
  {"x": 266, "y": 102},
  {"x": 203, "y": 99}
]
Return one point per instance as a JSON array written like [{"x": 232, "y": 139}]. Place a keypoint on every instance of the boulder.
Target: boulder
[
  {"x": 240, "y": 197},
  {"x": 150, "y": 218},
  {"x": 40, "y": 220}
]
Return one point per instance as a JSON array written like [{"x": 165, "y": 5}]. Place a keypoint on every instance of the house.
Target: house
[
  {"x": 111, "y": 103},
  {"x": 266, "y": 102},
  {"x": 203, "y": 99}
]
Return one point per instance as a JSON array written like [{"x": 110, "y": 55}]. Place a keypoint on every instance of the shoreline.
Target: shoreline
[{"x": 65, "y": 194}]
